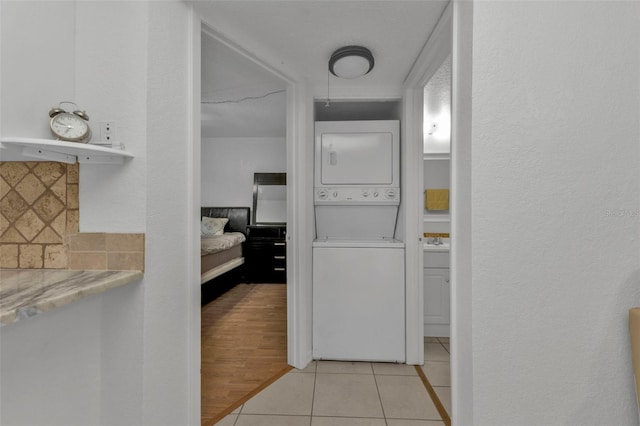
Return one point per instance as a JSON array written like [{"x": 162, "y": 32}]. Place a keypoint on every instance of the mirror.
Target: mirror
[{"x": 269, "y": 198}]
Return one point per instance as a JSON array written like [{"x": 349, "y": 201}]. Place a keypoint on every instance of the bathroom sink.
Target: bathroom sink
[{"x": 444, "y": 246}]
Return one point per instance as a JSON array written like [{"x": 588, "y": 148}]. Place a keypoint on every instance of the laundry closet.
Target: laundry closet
[{"x": 358, "y": 263}]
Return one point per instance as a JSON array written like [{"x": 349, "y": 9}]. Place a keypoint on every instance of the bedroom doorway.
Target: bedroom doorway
[{"x": 243, "y": 134}]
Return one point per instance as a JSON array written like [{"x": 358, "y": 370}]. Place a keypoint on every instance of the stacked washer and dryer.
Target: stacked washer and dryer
[{"x": 358, "y": 266}]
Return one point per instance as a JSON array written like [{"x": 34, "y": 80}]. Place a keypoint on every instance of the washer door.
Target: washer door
[{"x": 358, "y": 304}]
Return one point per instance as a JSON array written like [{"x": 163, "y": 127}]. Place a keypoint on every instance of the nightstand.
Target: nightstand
[{"x": 266, "y": 254}]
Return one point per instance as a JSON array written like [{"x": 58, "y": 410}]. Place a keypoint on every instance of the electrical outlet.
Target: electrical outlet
[{"x": 108, "y": 132}]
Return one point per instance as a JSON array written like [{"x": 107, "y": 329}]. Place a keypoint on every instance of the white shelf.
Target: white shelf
[
  {"x": 443, "y": 156},
  {"x": 437, "y": 218},
  {"x": 65, "y": 152}
]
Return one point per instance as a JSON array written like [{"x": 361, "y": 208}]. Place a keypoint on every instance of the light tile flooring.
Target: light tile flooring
[
  {"x": 331, "y": 393},
  {"x": 437, "y": 368}
]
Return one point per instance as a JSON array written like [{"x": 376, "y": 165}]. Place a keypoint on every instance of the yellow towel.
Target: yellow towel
[
  {"x": 436, "y": 235},
  {"x": 436, "y": 199}
]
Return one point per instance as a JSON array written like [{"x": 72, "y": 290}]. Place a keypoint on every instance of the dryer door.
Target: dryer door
[{"x": 356, "y": 158}]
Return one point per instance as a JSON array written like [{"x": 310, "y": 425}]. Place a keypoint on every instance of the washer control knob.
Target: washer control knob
[
  {"x": 375, "y": 194},
  {"x": 335, "y": 194},
  {"x": 391, "y": 194},
  {"x": 365, "y": 193},
  {"x": 323, "y": 194}
]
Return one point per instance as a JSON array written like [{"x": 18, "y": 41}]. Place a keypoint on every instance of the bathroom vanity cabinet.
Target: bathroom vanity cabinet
[{"x": 436, "y": 293}]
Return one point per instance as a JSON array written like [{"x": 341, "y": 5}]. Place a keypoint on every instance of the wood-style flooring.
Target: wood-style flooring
[{"x": 244, "y": 346}]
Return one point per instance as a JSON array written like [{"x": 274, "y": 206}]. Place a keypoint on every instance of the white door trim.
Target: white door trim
[
  {"x": 411, "y": 190},
  {"x": 193, "y": 240},
  {"x": 434, "y": 53},
  {"x": 455, "y": 33},
  {"x": 299, "y": 194},
  {"x": 300, "y": 225},
  {"x": 461, "y": 214}
]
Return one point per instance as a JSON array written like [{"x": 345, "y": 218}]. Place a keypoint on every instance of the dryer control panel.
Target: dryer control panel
[{"x": 357, "y": 195}]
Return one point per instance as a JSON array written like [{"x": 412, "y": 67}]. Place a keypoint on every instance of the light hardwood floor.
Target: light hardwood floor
[{"x": 244, "y": 346}]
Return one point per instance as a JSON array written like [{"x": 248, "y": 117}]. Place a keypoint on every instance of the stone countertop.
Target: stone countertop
[
  {"x": 28, "y": 292},
  {"x": 433, "y": 247}
]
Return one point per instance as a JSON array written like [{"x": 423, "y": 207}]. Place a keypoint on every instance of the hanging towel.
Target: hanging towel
[{"x": 436, "y": 199}]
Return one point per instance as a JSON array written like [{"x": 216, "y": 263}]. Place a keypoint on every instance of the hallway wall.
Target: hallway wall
[
  {"x": 121, "y": 357},
  {"x": 555, "y": 202}
]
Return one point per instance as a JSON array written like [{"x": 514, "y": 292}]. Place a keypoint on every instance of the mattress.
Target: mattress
[
  {"x": 218, "y": 243},
  {"x": 210, "y": 261},
  {"x": 220, "y": 253}
]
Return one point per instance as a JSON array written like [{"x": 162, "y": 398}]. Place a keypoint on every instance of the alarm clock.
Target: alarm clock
[{"x": 70, "y": 126}]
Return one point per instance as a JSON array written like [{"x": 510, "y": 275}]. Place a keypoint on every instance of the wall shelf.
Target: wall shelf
[
  {"x": 443, "y": 156},
  {"x": 437, "y": 218},
  {"x": 65, "y": 152}
]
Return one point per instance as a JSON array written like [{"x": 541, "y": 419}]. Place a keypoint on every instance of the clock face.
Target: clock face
[{"x": 69, "y": 127}]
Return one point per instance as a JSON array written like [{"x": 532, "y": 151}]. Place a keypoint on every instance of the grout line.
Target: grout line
[
  {"x": 443, "y": 345},
  {"x": 313, "y": 393},
  {"x": 333, "y": 416},
  {"x": 235, "y": 421},
  {"x": 275, "y": 415},
  {"x": 375, "y": 380},
  {"x": 434, "y": 397}
]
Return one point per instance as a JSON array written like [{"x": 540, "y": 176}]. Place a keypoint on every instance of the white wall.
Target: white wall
[
  {"x": 462, "y": 387},
  {"x": 171, "y": 282},
  {"x": 27, "y": 63},
  {"x": 111, "y": 83},
  {"x": 437, "y": 111},
  {"x": 436, "y": 176},
  {"x": 554, "y": 152},
  {"x": 50, "y": 368},
  {"x": 228, "y": 165},
  {"x": 121, "y": 357},
  {"x": 111, "y": 77},
  {"x": 50, "y": 365}
]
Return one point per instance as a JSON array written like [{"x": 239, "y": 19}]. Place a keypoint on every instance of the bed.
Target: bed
[{"x": 221, "y": 254}]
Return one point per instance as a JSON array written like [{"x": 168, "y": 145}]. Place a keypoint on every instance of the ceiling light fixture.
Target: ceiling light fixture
[{"x": 351, "y": 62}]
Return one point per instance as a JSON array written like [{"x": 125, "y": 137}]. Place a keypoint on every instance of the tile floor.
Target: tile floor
[
  {"x": 331, "y": 393},
  {"x": 437, "y": 368}
]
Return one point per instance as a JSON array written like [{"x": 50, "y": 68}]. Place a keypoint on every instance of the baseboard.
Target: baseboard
[{"x": 437, "y": 330}]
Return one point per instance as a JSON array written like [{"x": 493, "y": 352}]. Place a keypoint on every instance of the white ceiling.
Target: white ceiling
[
  {"x": 239, "y": 98},
  {"x": 299, "y": 37}
]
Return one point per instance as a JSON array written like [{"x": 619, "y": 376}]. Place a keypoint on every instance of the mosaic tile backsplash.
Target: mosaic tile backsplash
[
  {"x": 39, "y": 217},
  {"x": 38, "y": 209}
]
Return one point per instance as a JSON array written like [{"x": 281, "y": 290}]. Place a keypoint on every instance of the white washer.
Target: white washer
[{"x": 358, "y": 300}]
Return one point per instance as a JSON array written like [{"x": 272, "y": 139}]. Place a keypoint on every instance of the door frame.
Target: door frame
[
  {"x": 453, "y": 34},
  {"x": 298, "y": 274},
  {"x": 299, "y": 204},
  {"x": 434, "y": 53}
]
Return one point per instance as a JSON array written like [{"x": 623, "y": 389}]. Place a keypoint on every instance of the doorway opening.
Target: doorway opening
[
  {"x": 244, "y": 313},
  {"x": 436, "y": 232},
  {"x": 433, "y": 112}
]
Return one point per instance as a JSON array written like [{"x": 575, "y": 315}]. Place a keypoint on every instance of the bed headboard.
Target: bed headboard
[{"x": 238, "y": 217}]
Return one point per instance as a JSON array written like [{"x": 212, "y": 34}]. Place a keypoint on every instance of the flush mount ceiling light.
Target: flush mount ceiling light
[{"x": 351, "y": 62}]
